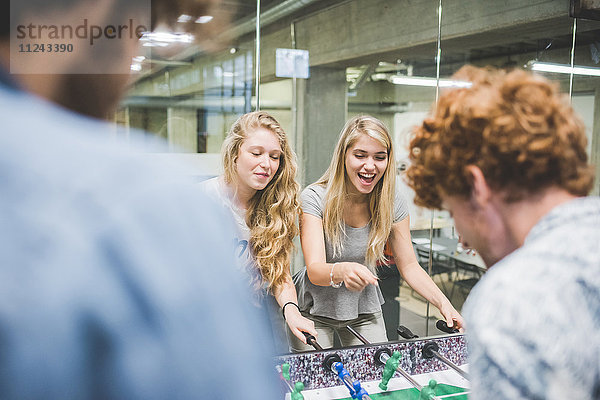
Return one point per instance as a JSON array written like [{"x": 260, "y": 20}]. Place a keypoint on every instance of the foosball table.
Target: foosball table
[{"x": 409, "y": 369}]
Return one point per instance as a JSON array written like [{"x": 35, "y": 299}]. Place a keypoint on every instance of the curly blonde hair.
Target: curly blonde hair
[
  {"x": 272, "y": 212},
  {"x": 381, "y": 198},
  {"x": 515, "y": 126}
]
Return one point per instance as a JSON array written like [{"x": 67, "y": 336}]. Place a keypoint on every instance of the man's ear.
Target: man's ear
[{"x": 481, "y": 192}]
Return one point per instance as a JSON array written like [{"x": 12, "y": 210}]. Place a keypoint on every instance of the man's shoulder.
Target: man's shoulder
[{"x": 70, "y": 168}]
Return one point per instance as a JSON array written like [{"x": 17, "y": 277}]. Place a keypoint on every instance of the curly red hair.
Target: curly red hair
[{"x": 515, "y": 126}]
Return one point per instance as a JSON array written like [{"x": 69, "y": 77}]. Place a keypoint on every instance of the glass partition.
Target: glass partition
[
  {"x": 498, "y": 38},
  {"x": 190, "y": 94},
  {"x": 398, "y": 87},
  {"x": 376, "y": 57},
  {"x": 586, "y": 87}
]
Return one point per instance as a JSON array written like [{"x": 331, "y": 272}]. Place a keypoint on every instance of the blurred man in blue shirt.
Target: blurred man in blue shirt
[{"x": 112, "y": 269}]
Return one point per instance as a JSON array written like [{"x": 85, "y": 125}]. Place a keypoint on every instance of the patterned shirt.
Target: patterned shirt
[{"x": 534, "y": 319}]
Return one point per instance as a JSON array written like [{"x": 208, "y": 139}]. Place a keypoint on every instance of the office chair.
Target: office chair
[
  {"x": 440, "y": 264},
  {"x": 469, "y": 276}
]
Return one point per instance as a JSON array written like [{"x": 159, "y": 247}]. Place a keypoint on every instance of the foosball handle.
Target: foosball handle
[
  {"x": 311, "y": 340},
  {"x": 441, "y": 325},
  {"x": 405, "y": 332}
]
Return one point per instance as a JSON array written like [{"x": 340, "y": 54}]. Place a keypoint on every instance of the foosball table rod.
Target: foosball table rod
[
  {"x": 382, "y": 356},
  {"x": 431, "y": 349},
  {"x": 333, "y": 363}
]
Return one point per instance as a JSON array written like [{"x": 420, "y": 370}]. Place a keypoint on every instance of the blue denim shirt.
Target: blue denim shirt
[
  {"x": 117, "y": 277},
  {"x": 533, "y": 321}
]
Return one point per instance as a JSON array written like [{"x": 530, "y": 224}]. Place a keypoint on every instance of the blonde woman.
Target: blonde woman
[
  {"x": 348, "y": 216},
  {"x": 259, "y": 188}
]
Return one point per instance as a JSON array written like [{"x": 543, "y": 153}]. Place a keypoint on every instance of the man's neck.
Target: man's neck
[{"x": 521, "y": 216}]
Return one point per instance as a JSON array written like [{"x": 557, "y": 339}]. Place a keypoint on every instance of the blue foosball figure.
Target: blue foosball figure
[{"x": 359, "y": 391}]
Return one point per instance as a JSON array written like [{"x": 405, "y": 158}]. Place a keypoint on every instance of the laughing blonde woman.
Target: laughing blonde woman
[{"x": 348, "y": 216}]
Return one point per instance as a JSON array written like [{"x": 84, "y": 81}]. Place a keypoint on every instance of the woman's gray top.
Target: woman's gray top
[{"x": 341, "y": 304}]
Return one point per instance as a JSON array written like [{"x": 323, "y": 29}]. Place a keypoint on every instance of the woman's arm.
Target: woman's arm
[
  {"x": 354, "y": 275},
  {"x": 286, "y": 293},
  {"x": 415, "y": 275}
]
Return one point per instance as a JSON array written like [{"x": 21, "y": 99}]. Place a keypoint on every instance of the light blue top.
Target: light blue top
[
  {"x": 217, "y": 190},
  {"x": 117, "y": 278},
  {"x": 533, "y": 321}
]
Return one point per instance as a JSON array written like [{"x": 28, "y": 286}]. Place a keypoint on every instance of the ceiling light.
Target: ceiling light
[
  {"x": 204, "y": 19},
  {"x": 183, "y": 18},
  {"x": 155, "y": 44},
  {"x": 563, "y": 69},
  {"x": 162, "y": 39},
  {"x": 428, "y": 82}
]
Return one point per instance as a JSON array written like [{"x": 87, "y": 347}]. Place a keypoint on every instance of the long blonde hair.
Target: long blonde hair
[
  {"x": 272, "y": 212},
  {"x": 381, "y": 199}
]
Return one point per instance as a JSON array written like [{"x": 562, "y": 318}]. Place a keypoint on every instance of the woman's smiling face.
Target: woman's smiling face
[
  {"x": 366, "y": 162},
  {"x": 258, "y": 159}
]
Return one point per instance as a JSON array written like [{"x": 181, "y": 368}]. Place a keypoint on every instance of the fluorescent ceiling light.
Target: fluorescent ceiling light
[
  {"x": 204, "y": 19},
  {"x": 136, "y": 67},
  {"x": 165, "y": 38},
  {"x": 155, "y": 44},
  {"x": 183, "y": 18},
  {"x": 564, "y": 69},
  {"x": 424, "y": 81}
]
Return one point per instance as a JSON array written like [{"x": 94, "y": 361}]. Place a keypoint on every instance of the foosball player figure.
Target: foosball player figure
[
  {"x": 296, "y": 395},
  {"x": 428, "y": 392},
  {"x": 391, "y": 365},
  {"x": 285, "y": 371},
  {"x": 359, "y": 392}
]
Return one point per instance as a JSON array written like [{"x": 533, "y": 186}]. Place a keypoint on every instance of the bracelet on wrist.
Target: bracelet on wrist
[
  {"x": 287, "y": 304},
  {"x": 331, "y": 283}
]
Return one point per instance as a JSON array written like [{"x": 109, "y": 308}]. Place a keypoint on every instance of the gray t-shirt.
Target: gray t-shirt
[{"x": 341, "y": 304}]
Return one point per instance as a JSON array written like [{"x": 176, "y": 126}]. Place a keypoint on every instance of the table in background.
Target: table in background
[{"x": 447, "y": 247}]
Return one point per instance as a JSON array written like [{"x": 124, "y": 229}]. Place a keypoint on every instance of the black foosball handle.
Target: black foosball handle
[
  {"x": 312, "y": 341},
  {"x": 441, "y": 325},
  {"x": 405, "y": 332}
]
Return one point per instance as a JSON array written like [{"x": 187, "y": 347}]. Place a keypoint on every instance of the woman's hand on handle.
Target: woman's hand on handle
[
  {"x": 452, "y": 317},
  {"x": 298, "y": 324}
]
